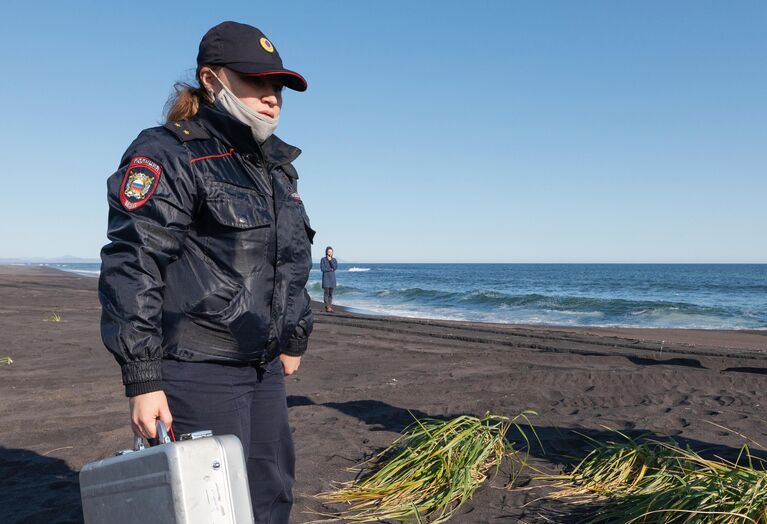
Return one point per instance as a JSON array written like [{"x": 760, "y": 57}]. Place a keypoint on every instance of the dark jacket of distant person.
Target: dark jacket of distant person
[
  {"x": 212, "y": 267},
  {"x": 328, "y": 268}
]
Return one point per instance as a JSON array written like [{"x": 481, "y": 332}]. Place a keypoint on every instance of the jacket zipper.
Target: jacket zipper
[{"x": 272, "y": 322}]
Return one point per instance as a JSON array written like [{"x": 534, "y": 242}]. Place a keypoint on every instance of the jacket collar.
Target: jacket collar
[{"x": 233, "y": 132}]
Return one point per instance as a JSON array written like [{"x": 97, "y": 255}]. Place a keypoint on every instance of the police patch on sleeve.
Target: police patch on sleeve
[{"x": 140, "y": 181}]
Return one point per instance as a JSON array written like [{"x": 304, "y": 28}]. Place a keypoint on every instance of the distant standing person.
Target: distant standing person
[{"x": 328, "y": 266}]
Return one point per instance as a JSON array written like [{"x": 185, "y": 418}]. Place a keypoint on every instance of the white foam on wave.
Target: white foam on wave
[
  {"x": 357, "y": 269},
  {"x": 552, "y": 318},
  {"x": 576, "y": 313},
  {"x": 84, "y": 272}
]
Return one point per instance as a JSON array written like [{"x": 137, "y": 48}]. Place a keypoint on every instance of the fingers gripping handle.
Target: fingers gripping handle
[{"x": 162, "y": 437}]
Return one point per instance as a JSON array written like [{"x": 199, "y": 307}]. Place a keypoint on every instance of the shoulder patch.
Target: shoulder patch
[
  {"x": 186, "y": 130},
  {"x": 140, "y": 181}
]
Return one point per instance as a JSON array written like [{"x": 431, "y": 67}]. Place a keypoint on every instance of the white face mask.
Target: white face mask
[{"x": 261, "y": 126}]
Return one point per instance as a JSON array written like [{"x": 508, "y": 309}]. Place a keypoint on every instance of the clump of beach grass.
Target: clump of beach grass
[
  {"x": 649, "y": 481},
  {"x": 610, "y": 468},
  {"x": 5, "y": 361},
  {"x": 431, "y": 469},
  {"x": 55, "y": 317}
]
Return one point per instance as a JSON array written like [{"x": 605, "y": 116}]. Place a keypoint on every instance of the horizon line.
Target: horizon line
[{"x": 53, "y": 260}]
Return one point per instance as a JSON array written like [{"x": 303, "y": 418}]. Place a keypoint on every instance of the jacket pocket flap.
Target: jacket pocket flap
[{"x": 241, "y": 213}]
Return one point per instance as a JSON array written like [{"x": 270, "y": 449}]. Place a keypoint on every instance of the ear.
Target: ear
[{"x": 207, "y": 80}]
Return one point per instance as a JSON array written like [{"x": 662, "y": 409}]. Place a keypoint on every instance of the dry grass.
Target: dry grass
[
  {"x": 660, "y": 482},
  {"x": 429, "y": 471}
]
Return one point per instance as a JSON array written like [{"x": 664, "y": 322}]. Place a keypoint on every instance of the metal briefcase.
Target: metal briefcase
[{"x": 199, "y": 479}]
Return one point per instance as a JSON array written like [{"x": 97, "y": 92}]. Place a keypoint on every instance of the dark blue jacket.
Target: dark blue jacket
[
  {"x": 209, "y": 253},
  {"x": 328, "y": 268}
]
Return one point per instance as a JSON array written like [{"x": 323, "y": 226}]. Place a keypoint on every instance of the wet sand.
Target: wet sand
[{"x": 63, "y": 405}]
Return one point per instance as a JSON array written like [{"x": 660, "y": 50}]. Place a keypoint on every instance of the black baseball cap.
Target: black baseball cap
[{"x": 246, "y": 50}]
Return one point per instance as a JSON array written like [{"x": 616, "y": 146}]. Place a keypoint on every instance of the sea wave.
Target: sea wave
[
  {"x": 84, "y": 269},
  {"x": 545, "y": 308},
  {"x": 84, "y": 272},
  {"x": 339, "y": 290},
  {"x": 561, "y": 303},
  {"x": 357, "y": 269}
]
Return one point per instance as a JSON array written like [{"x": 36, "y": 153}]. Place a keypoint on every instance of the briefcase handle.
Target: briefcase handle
[{"x": 162, "y": 437}]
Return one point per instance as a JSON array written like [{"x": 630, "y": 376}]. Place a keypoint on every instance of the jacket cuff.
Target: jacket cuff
[
  {"x": 139, "y": 388},
  {"x": 296, "y": 346},
  {"x": 141, "y": 376}
]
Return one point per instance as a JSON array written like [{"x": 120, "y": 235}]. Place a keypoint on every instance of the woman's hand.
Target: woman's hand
[
  {"x": 290, "y": 364},
  {"x": 146, "y": 409}
]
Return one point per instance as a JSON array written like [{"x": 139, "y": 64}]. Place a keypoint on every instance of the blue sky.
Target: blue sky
[{"x": 500, "y": 131}]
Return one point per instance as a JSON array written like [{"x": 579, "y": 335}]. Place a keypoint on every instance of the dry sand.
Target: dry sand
[{"x": 63, "y": 406}]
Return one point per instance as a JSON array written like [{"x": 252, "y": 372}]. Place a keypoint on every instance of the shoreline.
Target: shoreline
[
  {"x": 690, "y": 336},
  {"x": 358, "y": 384},
  {"x": 746, "y": 338},
  {"x": 618, "y": 329},
  {"x": 361, "y": 311}
]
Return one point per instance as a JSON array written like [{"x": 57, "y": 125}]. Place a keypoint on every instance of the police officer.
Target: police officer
[{"x": 203, "y": 282}]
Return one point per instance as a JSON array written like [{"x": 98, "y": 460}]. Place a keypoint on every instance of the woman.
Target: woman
[
  {"x": 328, "y": 266},
  {"x": 202, "y": 284}
]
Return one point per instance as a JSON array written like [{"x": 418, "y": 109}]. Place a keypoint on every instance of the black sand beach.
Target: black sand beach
[{"x": 63, "y": 405}]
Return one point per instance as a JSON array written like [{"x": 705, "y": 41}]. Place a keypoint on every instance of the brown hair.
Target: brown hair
[{"x": 186, "y": 98}]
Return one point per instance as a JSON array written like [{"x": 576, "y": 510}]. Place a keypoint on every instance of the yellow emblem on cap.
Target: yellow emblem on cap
[{"x": 267, "y": 45}]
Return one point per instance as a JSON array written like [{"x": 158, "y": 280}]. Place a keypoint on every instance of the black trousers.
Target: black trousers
[
  {"x": 248, "y": 402},
  {"x": 327, "y": 296}
]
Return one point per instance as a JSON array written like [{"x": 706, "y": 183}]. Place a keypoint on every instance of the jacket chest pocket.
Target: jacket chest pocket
[
  {"x": 238, "y": 226},
  {"x": 239, "y": 213}
]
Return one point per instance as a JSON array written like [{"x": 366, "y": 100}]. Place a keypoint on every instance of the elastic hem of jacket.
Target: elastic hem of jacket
[
  {"x": 139, "y": 388},
  {"x": 141, "y": 371},
  {"x": 296, "y": 347}
]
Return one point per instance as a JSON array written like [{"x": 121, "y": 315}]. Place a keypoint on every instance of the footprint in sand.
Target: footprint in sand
[{"x": 725, "y": 400}]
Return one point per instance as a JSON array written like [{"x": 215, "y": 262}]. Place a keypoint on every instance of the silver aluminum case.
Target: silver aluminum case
[{"x": 201, "y": 481}]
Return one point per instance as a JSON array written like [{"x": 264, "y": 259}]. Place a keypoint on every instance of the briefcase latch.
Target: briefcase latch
[{"x": 196, "y": 434}]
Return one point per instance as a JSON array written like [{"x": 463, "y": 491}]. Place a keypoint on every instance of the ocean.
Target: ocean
[{"x": 711, "y": 296}]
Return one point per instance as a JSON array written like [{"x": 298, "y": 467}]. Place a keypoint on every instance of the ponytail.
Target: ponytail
[{"x": 186, "y": 99}]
